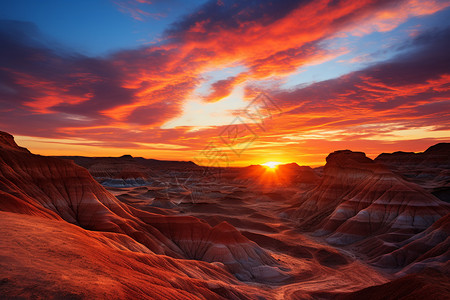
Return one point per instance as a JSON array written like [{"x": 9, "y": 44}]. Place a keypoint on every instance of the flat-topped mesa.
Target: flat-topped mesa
[
  {"x": 435, "y": 156},
  {"x": 351, "y": 165},
  {"x": 55, "y": 188},
  {"x": 7, "y": 142},
  {"x": 429, "y": 169},
  {"x": 358, "y": 198},
  {"x": 126, "y": 170},
  {"x": 342, "y": 156}
]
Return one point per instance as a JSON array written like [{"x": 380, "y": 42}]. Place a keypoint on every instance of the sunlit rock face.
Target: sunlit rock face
[
  {"x": 62, "y": 228},
  {"x": 429, "y": 169},
  {"x": 358, "y": 198},
  {"x": 50, "y": 259},
  {"x": 221, "y": 243},
  {"x": 58, "y": 189},
  {"x": 7, "y": 143}
]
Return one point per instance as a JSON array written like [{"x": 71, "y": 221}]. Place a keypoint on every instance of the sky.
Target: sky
[{"x": 225, "y": 83}]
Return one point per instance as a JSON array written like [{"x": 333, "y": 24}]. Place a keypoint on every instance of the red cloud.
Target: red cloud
[
  {"x": 223, "y": 88},
  {"x": 137, "y": 91}
]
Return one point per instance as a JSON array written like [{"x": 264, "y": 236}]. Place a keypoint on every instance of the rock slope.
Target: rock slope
[
  {"x": 425, "y": 250},
  {"x": 60, "y": 190},
  {"x": 429, "y": 169},
  {"x": 42, "y": 258},
  {"x": 359, "y": 199}
]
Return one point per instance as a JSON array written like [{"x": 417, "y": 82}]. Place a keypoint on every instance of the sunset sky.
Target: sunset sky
[{"x": 180, "y": 80}]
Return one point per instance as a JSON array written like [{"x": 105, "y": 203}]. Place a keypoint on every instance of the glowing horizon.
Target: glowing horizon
[{"x": 271, "y": 164}]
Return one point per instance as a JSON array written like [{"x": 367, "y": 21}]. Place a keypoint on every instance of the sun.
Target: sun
[{"x": 271, "y": 164}]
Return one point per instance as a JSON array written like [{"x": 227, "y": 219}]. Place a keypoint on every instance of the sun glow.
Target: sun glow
[{"x": 271, "y": 164}]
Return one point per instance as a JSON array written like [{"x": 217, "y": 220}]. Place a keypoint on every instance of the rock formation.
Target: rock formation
[
  {"x": 64, "y": 236},
  {"x": 127, "y": 171},
  {"x": 429, "y": 249},
  {"x": 429, "y": 169},
  {"x": 42, "y": 258},
  {"x": 358, "y": 198},
  {"x": 58, "y": 189}
]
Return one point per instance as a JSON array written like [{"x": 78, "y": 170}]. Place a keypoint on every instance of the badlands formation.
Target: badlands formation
[
  {"x": 429, "y": 169},
  {"x": 115, "y": 228}
]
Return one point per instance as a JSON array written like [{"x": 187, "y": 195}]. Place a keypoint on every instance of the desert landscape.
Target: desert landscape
[
  {"x": 225, "y": 149},
  {"x": 124, "y": 227}
]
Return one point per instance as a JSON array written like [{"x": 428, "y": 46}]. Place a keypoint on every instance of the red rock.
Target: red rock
[
  {"x": 58, "y": 189},
  {"x": 358, "y": 198},
  {"x": 52, "y": 259},
  {"x": 7, "y": 142}
]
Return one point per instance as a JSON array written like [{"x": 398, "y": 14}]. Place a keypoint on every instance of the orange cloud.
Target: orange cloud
[{"x": 127, "y": 96}]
